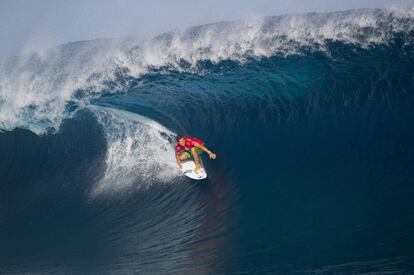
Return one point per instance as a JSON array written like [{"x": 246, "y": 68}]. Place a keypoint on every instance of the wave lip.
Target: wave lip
[
  {"x": 277, "y": 34},
  {"x": 39, "y": 90}
]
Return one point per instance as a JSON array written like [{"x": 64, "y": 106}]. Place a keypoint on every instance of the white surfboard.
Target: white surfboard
[{"x": 188, "y": 170}]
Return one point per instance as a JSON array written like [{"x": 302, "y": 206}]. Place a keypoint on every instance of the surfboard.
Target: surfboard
[{"x": 188, "y": 170}]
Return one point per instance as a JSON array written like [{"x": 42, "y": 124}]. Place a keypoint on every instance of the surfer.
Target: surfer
[{"x": 188, "y": 147}]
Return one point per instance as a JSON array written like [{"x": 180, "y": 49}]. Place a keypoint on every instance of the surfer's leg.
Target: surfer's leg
[
  {"x": 196, "y": 159},
  {"x": 185, "y": 155}
]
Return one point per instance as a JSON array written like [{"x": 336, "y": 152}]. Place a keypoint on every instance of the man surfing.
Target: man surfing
[{"x": 188, "y": 147}]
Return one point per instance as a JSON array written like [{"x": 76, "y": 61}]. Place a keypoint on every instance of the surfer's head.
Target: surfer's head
[{"x": 180, "y": 139}]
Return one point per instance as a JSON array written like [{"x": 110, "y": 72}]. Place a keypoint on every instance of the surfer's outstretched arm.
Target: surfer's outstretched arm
[{"x": 205, "y": 149}]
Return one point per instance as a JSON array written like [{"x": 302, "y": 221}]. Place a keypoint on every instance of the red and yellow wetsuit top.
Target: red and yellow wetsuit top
[{"x": 189, "y": 143}]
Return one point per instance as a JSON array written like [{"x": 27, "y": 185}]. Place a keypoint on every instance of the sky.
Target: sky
[{"x": 27, "y": 25}]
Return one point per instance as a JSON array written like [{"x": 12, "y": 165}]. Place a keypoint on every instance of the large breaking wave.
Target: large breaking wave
[
  {"x": 311, "y": 119},
  {"x": 39, "y": 90}
]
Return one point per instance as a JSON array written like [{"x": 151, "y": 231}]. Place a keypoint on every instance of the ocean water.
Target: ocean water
[{"x": 311, "y": 118}]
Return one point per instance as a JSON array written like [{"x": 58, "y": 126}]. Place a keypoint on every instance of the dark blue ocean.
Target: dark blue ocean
[{"x": 311, "y": 117}]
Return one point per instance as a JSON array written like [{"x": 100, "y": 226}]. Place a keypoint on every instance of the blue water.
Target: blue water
[{"x": 314, "y": 171}]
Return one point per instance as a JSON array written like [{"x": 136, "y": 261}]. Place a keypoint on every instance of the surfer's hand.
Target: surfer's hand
[{"x": 212, "y": 155}]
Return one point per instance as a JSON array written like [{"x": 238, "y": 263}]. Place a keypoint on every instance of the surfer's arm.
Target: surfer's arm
[{"x": 205, "y": 149}]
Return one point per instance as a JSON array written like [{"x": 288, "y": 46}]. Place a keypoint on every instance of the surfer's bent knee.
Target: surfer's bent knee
[{"x": 184, "y": 156}]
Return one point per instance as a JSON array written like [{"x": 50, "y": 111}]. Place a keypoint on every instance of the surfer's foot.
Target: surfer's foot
[{"x": 197, "y": 168}]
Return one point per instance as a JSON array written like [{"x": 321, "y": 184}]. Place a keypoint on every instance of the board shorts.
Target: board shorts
[{"x": 189, "y": 154}]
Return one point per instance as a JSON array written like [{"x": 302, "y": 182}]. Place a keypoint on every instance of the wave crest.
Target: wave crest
[{"x": 39, "y": 90}]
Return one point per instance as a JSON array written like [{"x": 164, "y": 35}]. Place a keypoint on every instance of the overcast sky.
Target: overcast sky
[{"x": 38, "y": 24}]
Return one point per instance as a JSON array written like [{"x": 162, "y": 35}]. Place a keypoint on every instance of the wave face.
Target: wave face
[{"x": 310, "y": 116}]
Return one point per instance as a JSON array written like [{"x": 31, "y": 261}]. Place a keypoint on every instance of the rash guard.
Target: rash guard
[{"x": 189, "y": 143}]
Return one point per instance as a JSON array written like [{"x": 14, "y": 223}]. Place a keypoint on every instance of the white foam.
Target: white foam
[
  {"x": 138, "y": 151},
  {"x": 35, "y": 89}
]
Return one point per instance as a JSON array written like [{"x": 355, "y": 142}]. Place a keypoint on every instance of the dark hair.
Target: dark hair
[{"x": 178, "y": 137}]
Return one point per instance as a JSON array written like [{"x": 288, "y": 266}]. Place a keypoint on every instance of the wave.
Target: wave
[
  {"x": 39, "y": 90},
  {"x": 312, "y": 130}
]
